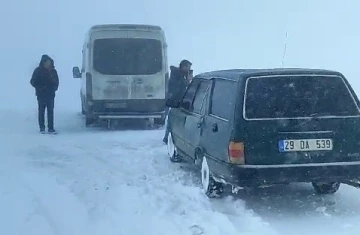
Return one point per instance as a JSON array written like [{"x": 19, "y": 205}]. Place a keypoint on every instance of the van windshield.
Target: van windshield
[
  {"x": 298, "y": 96},
  {"x": 127, "y": 56}
]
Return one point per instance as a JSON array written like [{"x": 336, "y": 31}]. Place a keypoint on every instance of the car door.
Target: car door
[
  {"x": 218, "y": 122},
  {"x": 195, "y": 118},
  {"x": 178, "y": 117}
]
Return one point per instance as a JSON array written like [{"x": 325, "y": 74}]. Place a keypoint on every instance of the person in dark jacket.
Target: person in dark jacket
[
  {"x": 180, "y": 78},
  {"x": 45, "y": 80}
]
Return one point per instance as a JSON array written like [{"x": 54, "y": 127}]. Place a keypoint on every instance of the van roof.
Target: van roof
[
  {"x": 238, "y": 74},
  {"x": 125, "y": 26}
]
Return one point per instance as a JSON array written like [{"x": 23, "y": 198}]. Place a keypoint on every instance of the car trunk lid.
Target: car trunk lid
[{"x": 299, "y": 119}]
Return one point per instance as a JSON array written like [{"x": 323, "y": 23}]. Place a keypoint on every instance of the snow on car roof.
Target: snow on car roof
[{"x": 237, "y": 74}]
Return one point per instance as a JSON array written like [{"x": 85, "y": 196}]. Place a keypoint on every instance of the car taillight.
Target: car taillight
[
  {"x": 236, "y": 153},
  {"x": 89, "y": 86}
]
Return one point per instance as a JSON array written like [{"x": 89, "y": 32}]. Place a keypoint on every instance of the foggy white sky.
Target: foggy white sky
[{"x": 212, "y": 34}]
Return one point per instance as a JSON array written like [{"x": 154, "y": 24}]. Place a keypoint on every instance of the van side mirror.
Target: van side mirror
[
  {"x": 76, "y": 72},
  {"x": 172, "y": 103}
]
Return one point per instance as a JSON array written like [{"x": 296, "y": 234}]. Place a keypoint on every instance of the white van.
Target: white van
[{"x": 124, "y": 73}]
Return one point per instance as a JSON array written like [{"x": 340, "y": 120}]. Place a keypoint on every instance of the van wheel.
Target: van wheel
[
  {"x": 211, "y": 188},
  {"x": 326, "y": 188},
  {"x": 89, "y": 121},
  {"x": 159, "y": 121},
  {"x": 82, "y": 109},
  {"x": 172, "y": 151}
]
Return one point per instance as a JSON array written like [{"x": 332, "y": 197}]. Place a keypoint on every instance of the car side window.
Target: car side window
[
  {"x": 190, "y": 95},
  {"x": 200, "y": 97},
  {"x": 222, "y": 98}
]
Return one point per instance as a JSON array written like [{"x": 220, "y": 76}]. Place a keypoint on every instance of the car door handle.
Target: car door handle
[{"x": 215, "y": 127}]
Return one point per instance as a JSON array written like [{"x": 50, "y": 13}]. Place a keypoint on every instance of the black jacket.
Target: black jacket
[
  {"x": 45, "y": 81},
  {"x": 177, "y": 84}
]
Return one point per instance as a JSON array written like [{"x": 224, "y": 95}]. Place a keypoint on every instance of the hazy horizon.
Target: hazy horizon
[{"x": 213, "y": 35}]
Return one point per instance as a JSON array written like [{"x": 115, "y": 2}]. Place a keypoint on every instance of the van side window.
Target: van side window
[
  {"x": 188, "y": 99},
  {"x": 222, "y": 98},
  {"x": 200, "y": 97}
]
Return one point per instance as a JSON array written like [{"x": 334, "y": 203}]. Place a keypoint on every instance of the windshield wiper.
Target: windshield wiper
[{"x": 320, "y": 115}]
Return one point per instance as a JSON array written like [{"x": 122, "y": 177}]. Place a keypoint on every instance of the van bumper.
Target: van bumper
[
  {"x": 129, "y": 115},
  {"x": 257, "y": 175},
  {"x": 128, "y": 109}
]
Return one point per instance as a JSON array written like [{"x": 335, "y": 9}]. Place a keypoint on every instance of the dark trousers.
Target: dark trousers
[
  {"x": 167, "y": 130},
  {"x": 48, "y": 104}
]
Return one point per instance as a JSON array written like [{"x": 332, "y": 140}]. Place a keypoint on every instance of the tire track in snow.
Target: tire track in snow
[
  {"x": 60, "y": 209},
  {"x": 39, "y": 206},
  {"x": 122, "y": 181},
  {"x": 176, "y": 198},
  {"x": 89, "y": 180}
]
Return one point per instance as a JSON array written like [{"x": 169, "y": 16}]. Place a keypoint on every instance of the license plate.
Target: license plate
[
  {"x": 305, "y": 145},
  {"x": 115, "y": 105}
]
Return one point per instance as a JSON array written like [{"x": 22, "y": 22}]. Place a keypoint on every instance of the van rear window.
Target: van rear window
[
  {"x": 127, "y": 56},
  {"x": 298, "y": 96}
]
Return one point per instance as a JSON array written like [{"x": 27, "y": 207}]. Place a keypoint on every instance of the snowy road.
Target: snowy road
[{"x": 94, "y": 181}]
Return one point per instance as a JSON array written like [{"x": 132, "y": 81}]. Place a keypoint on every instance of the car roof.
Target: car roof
[{"x": 238, "y": 74}]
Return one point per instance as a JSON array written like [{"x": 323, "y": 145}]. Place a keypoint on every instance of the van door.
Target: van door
[{"x": 128, "y": 68}]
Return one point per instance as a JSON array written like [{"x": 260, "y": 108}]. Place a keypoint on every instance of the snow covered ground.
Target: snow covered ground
[
  {"x": 95, "y": 181},
  {"x": 99, "y": 182}
]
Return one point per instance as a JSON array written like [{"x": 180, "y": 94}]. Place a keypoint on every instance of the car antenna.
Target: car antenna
[{"x": 284, "y": 52}]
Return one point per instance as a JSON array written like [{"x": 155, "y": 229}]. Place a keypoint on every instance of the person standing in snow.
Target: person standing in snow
[
  {"x": 45, "y": 80},
  {"x": 180, "y": 77}
]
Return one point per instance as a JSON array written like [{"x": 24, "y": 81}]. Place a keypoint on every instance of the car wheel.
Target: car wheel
[
  {"x": 211, "y": 188},
  {"x": 172, "y": 151},
  {"x": 326, "y": 188}
]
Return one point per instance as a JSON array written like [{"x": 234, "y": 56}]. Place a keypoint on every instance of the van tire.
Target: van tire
[
  {"x": 211, "y": 187},
  {"x": 326, "y": 188},
  {"x": 159, "y": 121},
  {"x": 83, "y": 112},
  {"x": 89, "y": 121}
]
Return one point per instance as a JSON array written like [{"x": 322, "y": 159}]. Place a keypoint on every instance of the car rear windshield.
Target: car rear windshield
[
  {"x": 127, "y": 56},
  {"x": 298, "y": 96}
]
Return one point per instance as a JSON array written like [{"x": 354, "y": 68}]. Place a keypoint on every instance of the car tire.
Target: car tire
[
  {"x": 172, "y": 150},
  {"x": 89, "y": 121},
  {"x": 211, "y": 188},
  {"x": 326, "y": 188}
]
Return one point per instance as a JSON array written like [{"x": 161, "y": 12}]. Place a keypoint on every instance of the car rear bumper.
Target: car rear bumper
[{"x": 254, "y": 175}]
